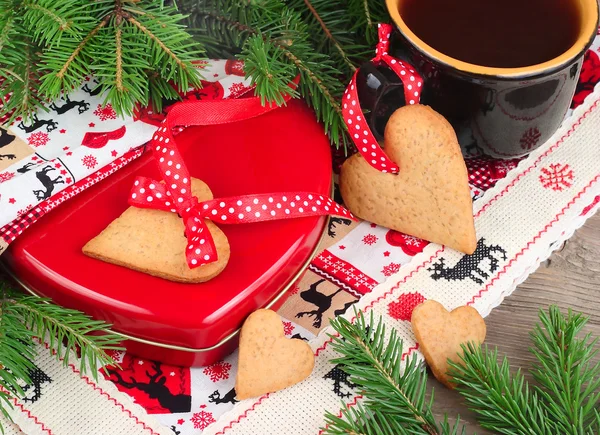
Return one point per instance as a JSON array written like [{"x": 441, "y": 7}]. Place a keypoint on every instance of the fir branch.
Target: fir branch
[
  {"x": 504, "y": 402},
  {"x": 68, "y": 331},
  {"x": 62, "y": 23},
  {"x": 568, "y": 379},
  {"x": 119, "y": 59},
  {"x": 365, "y": 15},
  {"x": 63, "y": 70},
  {"x": 25, "y": 320},
  {"x": 329, "y": 35},
  {"x": 20, "y": 77},
  {"x": 160, "y": 43},
  {"x": 360, "y": 420},
  {"x": 72, "y": 39},
  {"x": 239, "y": 23},
  {"x": 395, "y": 390},
  {"x": 269, "y": 72}
]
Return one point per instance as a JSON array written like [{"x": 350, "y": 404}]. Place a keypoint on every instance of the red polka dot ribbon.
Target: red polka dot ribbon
[
  {"x": 174, "y": 193},
  {"x": 358, "y": 128}
]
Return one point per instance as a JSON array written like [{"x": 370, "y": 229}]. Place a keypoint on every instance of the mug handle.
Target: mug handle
[
  {"x": 381, "y": 92},
  {"x": 385, "y": 83}
]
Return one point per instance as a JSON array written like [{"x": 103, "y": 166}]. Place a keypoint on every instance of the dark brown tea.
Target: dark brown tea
[{"x": 495, "y": 33}]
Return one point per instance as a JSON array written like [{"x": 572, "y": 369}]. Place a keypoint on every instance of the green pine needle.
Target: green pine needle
[
  {"x": 394, "y": 389},
  {"x": 24, "y": 320},
  {"x": 317, "y": 39},
  {"x": 503, "y": 401},
  {"x": 565, "y": 401},
  {"x": 49, "y": 47},
  {"x": 568, "y": 378}
]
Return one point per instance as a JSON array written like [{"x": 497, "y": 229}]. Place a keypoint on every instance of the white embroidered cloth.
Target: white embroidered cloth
[{"x": 519, "y": 221}]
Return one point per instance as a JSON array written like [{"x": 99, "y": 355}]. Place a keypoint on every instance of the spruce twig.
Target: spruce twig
[
  {"x": 328, "y": 35},
  {"x": 568, "y": 379},
  {"x": 24, "y": 320},
  {"x": 287, "y": 40},
  {"x": 394, "y": 389},
  {"x": 72, "y": 40},
  {"x": 503, "y": 401}
]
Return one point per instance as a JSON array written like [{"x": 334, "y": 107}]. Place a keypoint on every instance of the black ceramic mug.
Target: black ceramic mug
[{"x": 509, "y": 110}]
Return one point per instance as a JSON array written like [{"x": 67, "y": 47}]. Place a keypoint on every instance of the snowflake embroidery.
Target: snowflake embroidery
[
  {"x": 202, "y": 419},
  {"x": 217, "y": 371},
  {"x": 237, "y": 89},
  {"x": 89, "y": 161},
  {"x": 411, "y": 240},
  {"x": 38, "y": 139},
  {"x": 556, "y": 177},
  {"x": 402, "y": 308},
  {"x": 530, "y": 138},
  {"x": 390, "y": 269},
  {"x": 5, "y": 176},
  {"x": 104, "y": 113},
  {"x": 288, "y": 328},
  {"x": 370, "y": 239}
]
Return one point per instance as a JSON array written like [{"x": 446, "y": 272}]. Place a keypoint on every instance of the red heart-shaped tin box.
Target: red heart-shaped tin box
[{"x": 188, "y": 324}]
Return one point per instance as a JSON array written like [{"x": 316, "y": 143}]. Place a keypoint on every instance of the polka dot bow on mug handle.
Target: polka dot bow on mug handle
[
  {"x": 175, "y": 193},
  {"x": 358, "y": 128}
]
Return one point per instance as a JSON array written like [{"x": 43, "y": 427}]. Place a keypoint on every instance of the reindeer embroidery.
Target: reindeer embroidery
[
  {"x": 227, "y": 398},
  {"x": 322, "y": 301},
  {"x": 47, "y": 182},
  {"x": 92, "y": 92},
  {"x": 7, "y": 156},
  {"x": 32, "y": 392},
  {"x": 37, "y": 123},
  {"x": 26, "y": 168},
  {"x": 340, "y": 379},
  {"x": 333, "y": 222},
  {"x": 469, "y": 265},
  {"x": 82, "y": 106},
  {"x": 155, "y": 388},
  {"x": 5, "y": 138}
]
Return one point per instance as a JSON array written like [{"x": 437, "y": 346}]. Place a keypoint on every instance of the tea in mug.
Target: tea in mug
[{"x": 495, "y": 33}]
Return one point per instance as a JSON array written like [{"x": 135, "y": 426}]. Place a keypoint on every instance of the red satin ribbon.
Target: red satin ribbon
[
  {"x": 175, "y": 193},
  {"x": 357, "y": 126}
]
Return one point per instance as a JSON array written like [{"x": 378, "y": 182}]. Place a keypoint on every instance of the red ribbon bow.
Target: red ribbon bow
[
  {"x": 357, "y": 126},
  {"x": 175, "y": 193}
]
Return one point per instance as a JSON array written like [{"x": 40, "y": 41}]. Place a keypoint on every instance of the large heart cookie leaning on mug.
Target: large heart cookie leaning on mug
[
  {"x": 430, "y": 197},
  {"x": 153, "y": 242}
]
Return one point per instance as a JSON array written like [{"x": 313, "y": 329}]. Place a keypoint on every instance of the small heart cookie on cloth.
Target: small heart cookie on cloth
[
  {"x": 153, "y": 242},
  {"x": 268, "y": 361},
  {"x": 430, "y": 197},
  {"x": 440, "y": 334}
]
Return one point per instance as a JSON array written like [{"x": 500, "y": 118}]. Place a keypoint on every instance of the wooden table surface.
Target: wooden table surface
[{"x": 570, "y": 278}]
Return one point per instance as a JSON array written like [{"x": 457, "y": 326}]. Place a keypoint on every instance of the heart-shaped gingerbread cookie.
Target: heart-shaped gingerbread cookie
[
  {"x": 440, "y": 334},
  {"x": 153, "y": 241},
  {"x": 430, "y": 197},
  {"x": 268, "y": 361}
]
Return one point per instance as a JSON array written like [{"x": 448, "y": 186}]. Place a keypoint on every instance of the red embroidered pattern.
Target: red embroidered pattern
[{"x": 556, "y": 177}]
